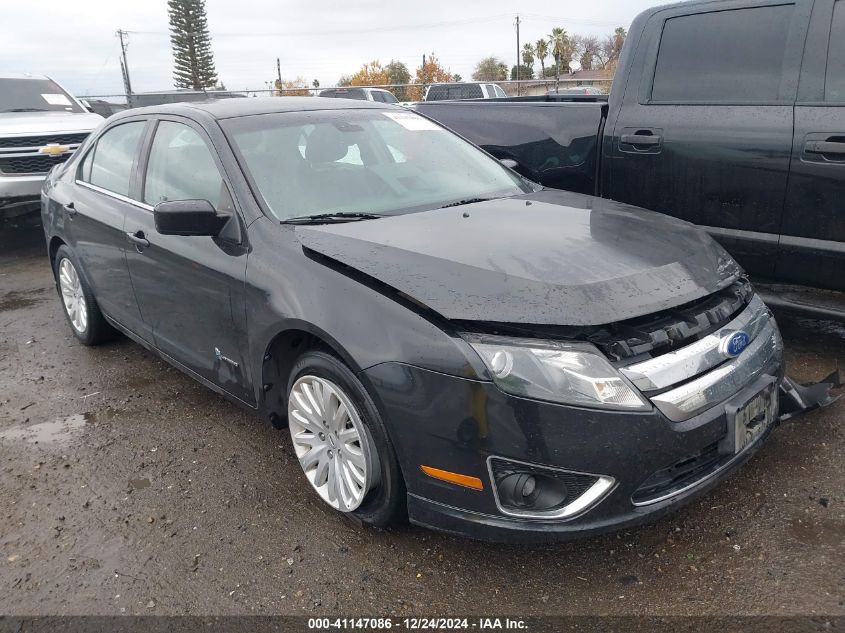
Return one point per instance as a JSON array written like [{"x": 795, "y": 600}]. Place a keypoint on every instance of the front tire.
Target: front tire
[
  {"x": 341, "y": 442},
  {"x": 81, "y": 310}
]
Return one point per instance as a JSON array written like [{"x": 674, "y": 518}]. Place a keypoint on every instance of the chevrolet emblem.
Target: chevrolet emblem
[{"x": 54, "y": 149}]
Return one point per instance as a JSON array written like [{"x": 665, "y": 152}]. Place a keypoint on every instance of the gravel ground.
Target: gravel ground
[{"x": 126, "y": 488}]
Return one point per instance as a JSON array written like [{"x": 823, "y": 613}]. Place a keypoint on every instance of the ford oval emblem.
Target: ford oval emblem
[{"x": 732, "y": 345}]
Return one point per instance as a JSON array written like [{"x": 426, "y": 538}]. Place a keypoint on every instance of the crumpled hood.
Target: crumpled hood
[
  {"x": 552, "y": 257},
  {"x": 32, "y": 123}
]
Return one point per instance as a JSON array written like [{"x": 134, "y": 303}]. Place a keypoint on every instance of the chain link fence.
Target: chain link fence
[{"x": 403, "y": 92}]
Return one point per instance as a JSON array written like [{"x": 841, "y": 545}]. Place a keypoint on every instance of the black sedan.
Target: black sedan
[{"x": 442, "y": 337}]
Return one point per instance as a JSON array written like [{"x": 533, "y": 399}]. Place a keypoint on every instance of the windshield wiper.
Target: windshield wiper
[
  {"x": 26, "y": 110},
  {"x": 466, "y": 201},
  {"x": 326, "y": 218}
]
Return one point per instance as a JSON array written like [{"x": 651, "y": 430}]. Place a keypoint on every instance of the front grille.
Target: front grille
[
  {"x": 41, "y": 141},
  {"x": 30, "y": 164},
  {"x": 664, "y": 331},
  {"x": 699, "y": 375}
]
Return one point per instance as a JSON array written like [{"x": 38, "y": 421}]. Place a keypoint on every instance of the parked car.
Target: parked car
[
  {"x": 441, "y": 335},
  {"x": 452, "y": 91},
  {"x": 728, "y": 114},
  {"x": 41, "y": 125},
  {"x": 362, "y": 94}
]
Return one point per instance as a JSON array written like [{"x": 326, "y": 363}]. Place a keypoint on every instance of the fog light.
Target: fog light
[
  {"x": 529, "y": 486},
  {"x": 541, "y": 492},
  {"x": 523, "y": 491}
]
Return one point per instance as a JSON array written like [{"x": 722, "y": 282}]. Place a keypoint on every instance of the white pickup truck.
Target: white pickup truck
[{"x": 41, "y": 125}]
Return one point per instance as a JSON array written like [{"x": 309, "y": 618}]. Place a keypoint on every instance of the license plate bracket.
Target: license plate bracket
[{"x": 748, "y": 418}]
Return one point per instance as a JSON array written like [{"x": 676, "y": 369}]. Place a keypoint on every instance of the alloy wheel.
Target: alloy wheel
[
  {"x": 330, "y": 442},
  {"x": 73, "y": 296}
]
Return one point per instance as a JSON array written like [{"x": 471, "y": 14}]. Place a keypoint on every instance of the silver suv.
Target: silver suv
[{"x": 41, "y": 125}]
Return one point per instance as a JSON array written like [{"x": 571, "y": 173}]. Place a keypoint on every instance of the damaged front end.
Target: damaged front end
[
  {"x": 676, "y": 357},
  {"x": 796, "y": 398}
]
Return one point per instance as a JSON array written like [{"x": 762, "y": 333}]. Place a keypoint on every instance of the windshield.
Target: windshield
[
  {"x": 34, "y": 95},
  {"x": 362, "y": 161}
]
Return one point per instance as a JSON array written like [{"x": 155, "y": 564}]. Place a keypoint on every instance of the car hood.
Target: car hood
[
  {"x": 30, "y": 123},
  {"x": 552, "y": 257}
]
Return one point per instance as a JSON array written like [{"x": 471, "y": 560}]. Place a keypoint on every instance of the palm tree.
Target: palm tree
[
  {"x": 528, "y": 56},
  {"x": 541, "y": 50},
  {"x": 559, "y": 42}
]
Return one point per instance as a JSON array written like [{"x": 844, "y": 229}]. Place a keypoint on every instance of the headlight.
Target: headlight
[{"x": 572, "y": 373}]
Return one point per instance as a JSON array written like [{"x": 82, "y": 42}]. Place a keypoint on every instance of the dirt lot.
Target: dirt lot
[{"x": 125, "y": 487}]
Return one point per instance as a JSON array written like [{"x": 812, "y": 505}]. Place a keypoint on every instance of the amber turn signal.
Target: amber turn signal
[{"x": 453, "y": 478}]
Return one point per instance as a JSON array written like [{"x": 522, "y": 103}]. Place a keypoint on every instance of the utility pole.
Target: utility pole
[
  {"x": 279, "y": 75},
  {"x": 422, "y": 96},
  {"x": 124, "y": 65},
  {"x": 517, "y": 55}
]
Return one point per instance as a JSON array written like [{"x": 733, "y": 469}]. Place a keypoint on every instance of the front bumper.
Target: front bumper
[
  {"x": 456, "y": 424},
  {"x": 20, "y": 194}
]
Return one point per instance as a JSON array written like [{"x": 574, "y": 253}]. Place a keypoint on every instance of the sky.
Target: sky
[{"x": 74, "y": 42}]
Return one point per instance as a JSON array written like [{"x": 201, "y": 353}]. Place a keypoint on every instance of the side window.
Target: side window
[
  {"x": 377, "y": 96},
  {"x": 109, "y": 163},
  {"x": 388, "y": 97},
  {"x": 834, "y": 84},
  {"x": 181, "y": 167},
  {"x": 723, "y": 56}
]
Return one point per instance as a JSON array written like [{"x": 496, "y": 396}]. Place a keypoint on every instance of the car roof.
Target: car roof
[{"x": 230, "y": 108}]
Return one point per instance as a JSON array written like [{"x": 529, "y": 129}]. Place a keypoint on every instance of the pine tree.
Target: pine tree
[{"x": 192, "y": 56}]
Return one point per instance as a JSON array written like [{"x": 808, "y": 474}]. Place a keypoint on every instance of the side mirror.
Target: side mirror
[
  {"x": 188, "y": 217},
  {"x": 510, "y": 163}
]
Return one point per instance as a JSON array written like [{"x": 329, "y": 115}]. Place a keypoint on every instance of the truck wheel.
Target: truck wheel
[
  {"x": 341, "y": 442},
  {"x": 81, "y": 310}
]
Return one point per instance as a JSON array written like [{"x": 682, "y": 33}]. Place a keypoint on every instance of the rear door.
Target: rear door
[
  {"x": 99, "y": 201},
  {"x": 705, "y": 128},
  {"x": 812, "y": 244},
  {"x": 190, "y": 289}
]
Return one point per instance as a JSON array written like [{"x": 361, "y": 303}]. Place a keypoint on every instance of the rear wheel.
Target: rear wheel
[
  {"x": 81, "y": 310},
  {"x": 340, "y": 441}
]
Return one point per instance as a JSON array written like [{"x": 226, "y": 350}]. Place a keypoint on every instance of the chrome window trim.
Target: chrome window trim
[
  {"x": 687, "y": 362},
  {"x": 590, "y": 498},
  {"x": 715, "y": 387},
  {"x": 112, "y": 194}
]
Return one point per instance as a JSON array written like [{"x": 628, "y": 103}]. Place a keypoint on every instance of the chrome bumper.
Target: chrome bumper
[
  {"x": 17, "y": 187},
  {"x": 683, "y": 383}
]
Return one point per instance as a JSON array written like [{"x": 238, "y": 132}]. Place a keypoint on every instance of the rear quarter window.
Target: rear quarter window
[{"x": 109, "y": 162}]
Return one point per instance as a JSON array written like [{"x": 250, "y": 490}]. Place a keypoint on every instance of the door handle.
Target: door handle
[
  {"x": 70, "y": 209},
  {"x": 640, "y": 139},
  {"x": 138, "y": 239},
  {"x": 825, "y": 147}
]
